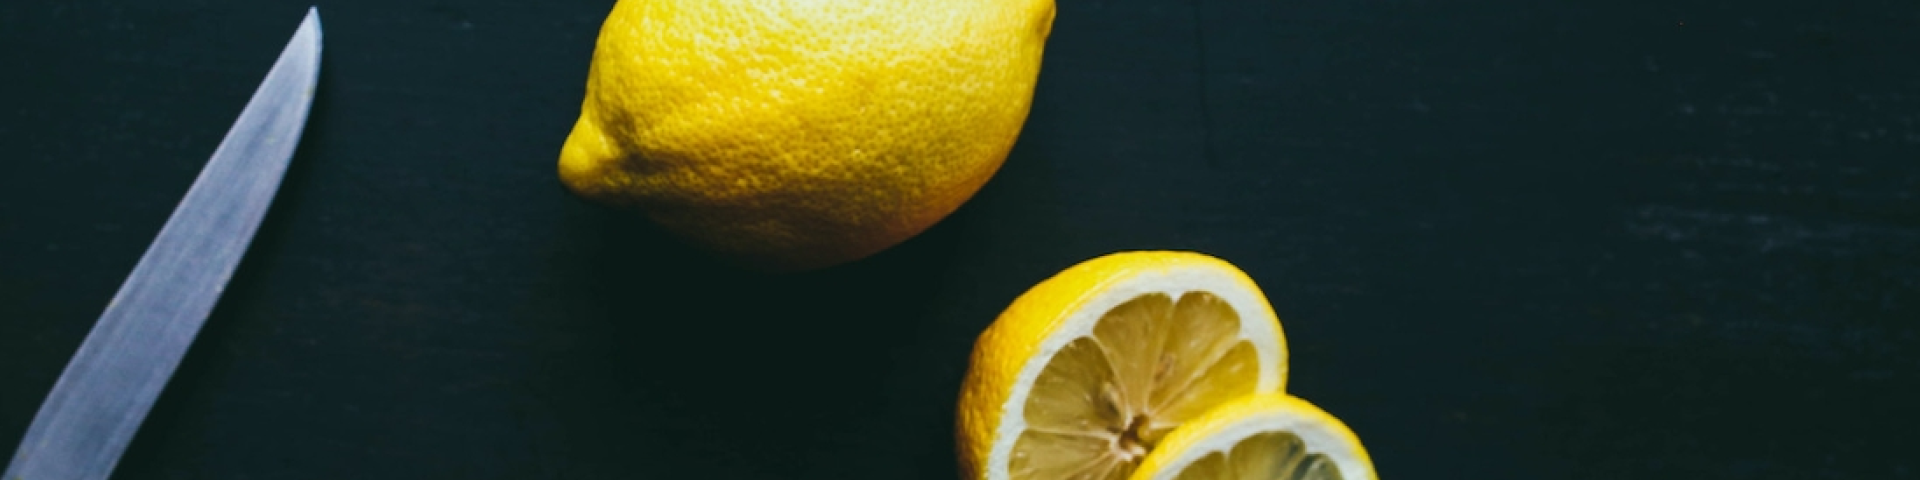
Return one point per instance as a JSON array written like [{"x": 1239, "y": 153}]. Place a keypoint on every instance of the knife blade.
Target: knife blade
[{"x": 113, "y": 379}]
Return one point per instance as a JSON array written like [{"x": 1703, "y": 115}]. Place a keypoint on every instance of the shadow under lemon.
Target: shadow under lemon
[{"x": 678, "y": 359}]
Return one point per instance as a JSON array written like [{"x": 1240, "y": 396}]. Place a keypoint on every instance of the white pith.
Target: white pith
[{"x": 1256, "y": 322}]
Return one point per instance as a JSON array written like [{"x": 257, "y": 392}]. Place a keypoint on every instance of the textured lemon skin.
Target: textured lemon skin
[
  {"x": 1015, "y": 337},
  {"x": 1184, "y": 439},
  {"x": 797, "y": 134}
]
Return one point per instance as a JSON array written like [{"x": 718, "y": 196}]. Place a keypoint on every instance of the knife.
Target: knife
[{"x": 104, "y": 394}]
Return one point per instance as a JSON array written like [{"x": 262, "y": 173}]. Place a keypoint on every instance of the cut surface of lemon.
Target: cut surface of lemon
[
  {"x": 1085, "y": 373},
  {"x": 1260, "y": 437}
]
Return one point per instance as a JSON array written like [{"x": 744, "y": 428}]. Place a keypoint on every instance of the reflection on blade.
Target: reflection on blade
[{"x": 112, "y": 381}]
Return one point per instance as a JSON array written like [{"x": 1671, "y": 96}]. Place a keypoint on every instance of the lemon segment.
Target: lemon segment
[
  {"x": 1260, "y": 437},
  {"x": 1086, "y": 373}
]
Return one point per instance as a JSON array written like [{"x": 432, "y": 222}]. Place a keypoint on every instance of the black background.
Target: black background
[{"x": 1507, "y": 239}]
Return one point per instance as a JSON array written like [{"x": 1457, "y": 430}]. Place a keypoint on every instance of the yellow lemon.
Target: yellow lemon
[
  {"x": 1086, "y": 373},
  {"x": 797, "y": 134},
  {"x": 1260, "y": 437}
]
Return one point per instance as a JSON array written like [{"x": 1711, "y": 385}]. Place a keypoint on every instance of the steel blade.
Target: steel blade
[{"x": 104, "y": 394}]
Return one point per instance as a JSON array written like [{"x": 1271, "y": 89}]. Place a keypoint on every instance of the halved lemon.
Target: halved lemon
[
  {"x": 1260, "y": 437},
  {"x": 1085, "y": 373}
]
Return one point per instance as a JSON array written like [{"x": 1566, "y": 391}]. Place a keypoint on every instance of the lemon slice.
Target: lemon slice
[
  {"x": 1260, "y": 437},
  {"x": 1086, "y": 372}
]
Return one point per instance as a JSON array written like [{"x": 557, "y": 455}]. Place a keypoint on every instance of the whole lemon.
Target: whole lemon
[{"x": 797, "y": 134}]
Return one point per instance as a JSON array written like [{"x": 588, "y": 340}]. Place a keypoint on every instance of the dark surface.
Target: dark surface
[{"x": 1508, "y": 239}]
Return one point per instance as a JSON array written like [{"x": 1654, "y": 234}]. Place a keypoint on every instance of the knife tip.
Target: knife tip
[{"x": 312, "y": 22}]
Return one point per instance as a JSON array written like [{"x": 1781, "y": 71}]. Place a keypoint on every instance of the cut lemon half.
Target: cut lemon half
[
  {"x": 1085, "y": 373},
  {"x": 1260, "y": 437}
]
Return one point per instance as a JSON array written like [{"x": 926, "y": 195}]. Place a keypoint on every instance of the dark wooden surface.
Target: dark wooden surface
[{"x": 1507, "y": 239}]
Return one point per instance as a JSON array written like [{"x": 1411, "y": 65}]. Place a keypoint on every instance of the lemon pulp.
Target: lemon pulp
[
  {"x": 1263, "y": 456},
  {"x": 1151, "y": 363},
  {"x": 1260, "y": 437}
]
